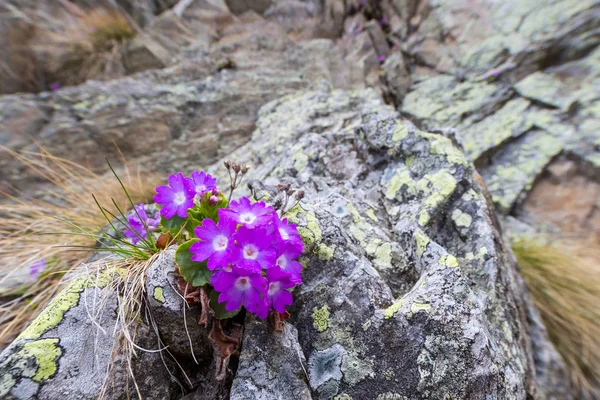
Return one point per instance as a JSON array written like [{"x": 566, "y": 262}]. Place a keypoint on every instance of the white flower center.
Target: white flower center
[
  {"x": 179, "y": 198},
  {"x": 282, "y": 261},
  {"x": 274, "y": 287},
  {"x": 284, "y": 234},
  {"x": 200, "y": 188},
  {"x": 247, "y": 218},
  {"x": 250, "y": 252},
  {"x": 243, "y": 283},
  {"x": 220, "y": 243}
]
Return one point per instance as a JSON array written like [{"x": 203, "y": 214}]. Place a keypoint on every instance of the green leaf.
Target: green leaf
[
  {"x": 172, "y": 224},
  {"x": 195, "y": 273},
  {"x": 219, "y": 308}
]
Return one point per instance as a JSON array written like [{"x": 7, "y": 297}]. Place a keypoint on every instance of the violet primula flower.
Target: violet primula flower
[
  {"x": 216, "y": 242},
  {"x": 36, "y": 269},
  {"x": 252, "y": 250},
  {"x": 249, "y": 214},
  {"x": 240, "y": 287},
  {"x": 203, "y": 183},
  {"x": 54, "y": 86},
  {"x": 278, "y": 297},
  {"x": 286, "y": 233},
  {"x": 286, "y": 261},
  {"x": 176, "y": 198},
  {"x": 138, "y": 221},
  {"x": 381, "y": 58}
]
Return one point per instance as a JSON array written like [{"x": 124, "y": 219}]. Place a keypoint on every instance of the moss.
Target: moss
[
  {"x": 159, "y": 295},
  {"x": 321, "y": 318},
  {"x": 393, "y": 309}
]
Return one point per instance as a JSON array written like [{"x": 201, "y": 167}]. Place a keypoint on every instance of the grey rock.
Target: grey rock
[{"x": 272, "y": 365}]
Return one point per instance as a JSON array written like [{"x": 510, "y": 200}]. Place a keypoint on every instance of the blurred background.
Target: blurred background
[{"x": 166, "y": 85}]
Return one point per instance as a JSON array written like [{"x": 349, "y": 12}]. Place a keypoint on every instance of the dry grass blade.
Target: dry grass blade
[
  {"x": 50, "y": 228},
  {"x": 564, "y": 280}
]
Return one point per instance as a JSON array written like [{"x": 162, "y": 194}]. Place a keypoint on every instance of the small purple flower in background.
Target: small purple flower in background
[
  {"x": 54, "y": 86},
  {"x": 216, "y": 242},
  {"x": 381, "y": 58},
  {"x": 203, "y": 183},
  {"x": 244, "y": 212},
  {"x": 240, "y": 287},
  {"x": 176, "y": 198},
  {"x": 383, "y": 20},
  {"x": 278, "y": 297},
  {"x": 36, "y": 269},
  {"x": 137, "y": 220},
  {"x": 358, "y": 30},
  {"x": 253, "y": 251}
]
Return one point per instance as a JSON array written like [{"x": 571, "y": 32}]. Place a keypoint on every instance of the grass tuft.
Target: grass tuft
[
  {"x": 57, "y": 228},
  {"x": 564, "y": 280}
]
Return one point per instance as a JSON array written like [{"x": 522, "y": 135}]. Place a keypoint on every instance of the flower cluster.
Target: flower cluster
[
  {"x": 138, "y": 222},
  {"x": 179, "y": 196},
  {"x": 244, "y": 250},
  {"x": 254, "y": 255}
]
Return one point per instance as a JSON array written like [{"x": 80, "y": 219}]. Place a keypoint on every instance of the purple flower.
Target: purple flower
[
  {"x": 244, "y": 212},
  {"x": 36, "y": 269},
  {"x": 381, "y": 58},
  {"x": 54, "y": 86},
  {"x": 136, "y": 229},
  {"x": 177, "y": 197},
  {"x": 216, "y": 244},
  {"x": 252, "y": 250},
  {"x": 203, "y": 182},
  {"x": 278, "y": 297},
  {"x": 286, "y": 233},
  {"x": 240, "y": 287},
  {"x": 286, "y": 261},
  {"x": 383, "y": 20}
]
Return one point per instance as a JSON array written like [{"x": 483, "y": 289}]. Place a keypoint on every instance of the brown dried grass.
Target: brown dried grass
[
  {"x": 48, "y": 228},
  {"x": 564, "y": 280}
]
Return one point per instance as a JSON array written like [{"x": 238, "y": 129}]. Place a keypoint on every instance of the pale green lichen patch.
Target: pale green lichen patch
[
  {"x": 400, "y": 132},
  {"x": 383, "y": 256},
  {"x": 159, "y": 295},
  {"x": 355, "y": 369},
  {"x": 54, "y": 313},
  {"x": 393, "y": 309},
  {"x": 321, "y": 318},
  {"x": 449, "y": 261},
  {"x": 461, "y": 219},
  {"x": 372, "y": 215},
  {"x": 324, "y": 252},
  {"x": 439, "y": 145},
  {"x": 342, "y": 396},
  {"x": 415, "y": 307},
  {"x": 422, "y": 241},
  {"x": 401, "y": 177},
  {"x": 46, "y": 354}
]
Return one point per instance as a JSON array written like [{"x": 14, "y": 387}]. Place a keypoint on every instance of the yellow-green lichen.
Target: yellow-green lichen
[
  {"x": 372, "y": 215},
  {"x": 342, "y": 396},
  {"x": 46, "y": 353},
  {"x": 393, "y": 309},
  {"x": 461, "y": 219},
  {"x": 388, "y": 374},
  {"x": 355, "y": 214},
  {"x": 383, "y": 256},
  {"x": 416, "y": 307},
  {"x": 401, "y": 177},
  {"x": 424, "y": 218},
  {"x": 321, "y": 318},
  {"x": 159, "y": 295},
  {"x": 449, "y": 261},
  {"x": 324, "y": 252},
  {"x": 400, "y": 132},
  {"x": 422, "y": 241},
  {"x": 54, "y": 313}
]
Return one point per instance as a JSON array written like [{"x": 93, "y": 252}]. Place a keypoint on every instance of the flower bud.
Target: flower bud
[{"x": 213, "y": 200}]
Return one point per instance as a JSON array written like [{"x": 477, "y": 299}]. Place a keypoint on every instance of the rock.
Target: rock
[
  {"x": 404, "y": 258},
  {"x": 239, "y": 7},
  {"x": 271, "y": 366},
  {"x": 178, "y": 325},
  {"x": 143, "y": 53},
  {"x": 66, "y": 353}
]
